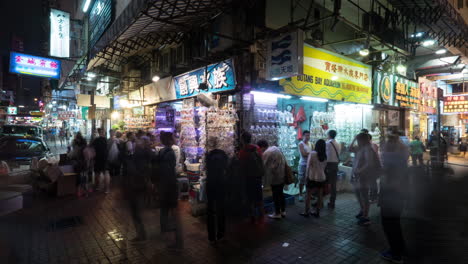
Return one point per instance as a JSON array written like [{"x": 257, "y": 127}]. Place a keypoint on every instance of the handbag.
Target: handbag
[{"x": 288, "y": 175}]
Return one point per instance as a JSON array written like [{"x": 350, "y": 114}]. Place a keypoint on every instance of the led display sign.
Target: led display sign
[
  {"x": 59, "y": 33},
  {"x": 32, "y": 65}
]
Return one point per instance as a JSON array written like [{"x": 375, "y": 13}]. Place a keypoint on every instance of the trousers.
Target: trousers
[
  {"x": 278, "y": 198},
  {"x": 216, "y": 223},
  {"x": 332, "y": 175}
]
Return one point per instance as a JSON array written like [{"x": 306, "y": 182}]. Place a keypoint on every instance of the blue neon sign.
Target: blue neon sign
[
  {"x": 32, "y": 65},
  {"x": 220, "y": 77}
]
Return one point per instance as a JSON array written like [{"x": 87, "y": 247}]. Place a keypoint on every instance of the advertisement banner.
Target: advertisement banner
[
  {"x": 100, "y": 17},
  {"x": 59, "y": 33},
  {"x": 12, "y": 110},
  {"x": 32, "y": 65},
  {"x": 219, "y": 77},
  {"x": 284, "y": 56},
  {"x": 428, "y": 95},
  {"x": 332, "y": 76}
]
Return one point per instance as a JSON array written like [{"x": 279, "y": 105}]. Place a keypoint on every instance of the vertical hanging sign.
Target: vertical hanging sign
[
  {"x": 285, "y": 56},
  {"x": 59, "y": 33}
]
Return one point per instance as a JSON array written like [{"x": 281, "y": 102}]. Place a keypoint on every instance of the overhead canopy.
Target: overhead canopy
[{"x": 148, "y": 24}]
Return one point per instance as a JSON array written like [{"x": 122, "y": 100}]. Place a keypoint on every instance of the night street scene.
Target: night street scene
[{"x": 234, "y": 131}]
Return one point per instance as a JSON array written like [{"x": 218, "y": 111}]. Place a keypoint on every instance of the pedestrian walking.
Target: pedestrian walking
[
  {"x": 333, "y": 150},
  {"x": 62, "y": 136},
  {"x": 275, "y": 165},
  {"x": 463, "y": 147},
  {"x": 253, "y": 170},
  {"x": 365, "y": 165},
  {"x": 77, "y": 157},
  {"x": 216, "y": 170},
  {"x": 316, "y": 178},
  {"x": 416, "y": 151},
  {"x": 305, "y": 147},
  {"x": 393, "y": 191},
  {"x": 168, "y": 188},
  {"x": 101, "y": 162},
  {"x": 114, "y": 154}
]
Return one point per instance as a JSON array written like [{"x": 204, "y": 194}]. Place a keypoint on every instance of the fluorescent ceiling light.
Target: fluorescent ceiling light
[
  {"x": 156, "y": 78},
  {"x": 86, "y": 5},
  {"x": 270, "y": 95},
  {"x": 419, "y": 34},
  {"x": 429, "y": 42},
  {"x": 314, "y": 99},
  {"x": 21, "y": 106},
  {"x": 54, "y": 102},
  {"x": 441, "y": 51},
  {"x": 401, "y": 68},
  {"x": 91, "y": 74},
  {"x": 334, "y": 78},
  {"x": 364, "y": 52}
]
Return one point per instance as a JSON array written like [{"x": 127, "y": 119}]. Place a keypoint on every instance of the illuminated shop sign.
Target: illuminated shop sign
[
  {"x": 407, "y": 94},
  {"x": 393, "y": 90},
  {"x": 332, "y": 76},
  {"x": 12, "y": 110},
  {"x": 456, "y": 104},
  {"x": 59, "y": 33},
  {"x": 219, "y": 77},
  {"x": 33, "y": 65},
  {"x": 100, "y": 18}
]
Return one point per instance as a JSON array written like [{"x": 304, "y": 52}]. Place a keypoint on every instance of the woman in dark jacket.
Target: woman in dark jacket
[
  {"x": 168, "y": 187},
  {"x": 216, "y": 166}
]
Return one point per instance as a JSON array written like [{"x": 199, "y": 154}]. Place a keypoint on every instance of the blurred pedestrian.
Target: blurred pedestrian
[
  {"x": 253, "y": 170},
  {"x": 316, "y": 178},
  {"x": 305, "y": 147},
  {"x": 416, "y": 151},
  {"x": 168, "y": 188},
  {"x": 393, "y": 191},
  {"x": 62, "y": 136},
  {"x": 101, "y": 163},
  {"x": 275, "y": 164},
  {"x": 216, "y": 166},
  {"x": 77, "y": 157},
  {"x": 113, "y": 156},
  {"x": 333, "y": 158},
  {"x": 463, "y": 147},
  {"x": 365, "y": 165}
]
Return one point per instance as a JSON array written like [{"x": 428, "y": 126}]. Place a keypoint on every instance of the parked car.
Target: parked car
[
  {"x": 20, "y": 150},
  {"x": 22, "y": 130}
]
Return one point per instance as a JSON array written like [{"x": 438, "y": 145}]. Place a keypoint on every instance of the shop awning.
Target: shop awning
[{"x": 148, "y": 24}]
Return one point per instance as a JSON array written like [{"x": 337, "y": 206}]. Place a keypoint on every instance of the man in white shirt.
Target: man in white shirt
[{"x": 333, "y": 158}]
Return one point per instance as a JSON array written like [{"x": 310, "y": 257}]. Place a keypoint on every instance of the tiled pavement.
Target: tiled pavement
[{"x": 434, "y": 226}]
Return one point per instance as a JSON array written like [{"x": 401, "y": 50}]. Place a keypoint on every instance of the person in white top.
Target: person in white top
[
  {"x": 333, "y": 158},
  {"x": 316, "y": 178},
  {"x": 305, "y": 147}
]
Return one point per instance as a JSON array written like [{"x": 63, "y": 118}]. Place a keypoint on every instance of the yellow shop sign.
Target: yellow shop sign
[{"x": 332, "y": 76}]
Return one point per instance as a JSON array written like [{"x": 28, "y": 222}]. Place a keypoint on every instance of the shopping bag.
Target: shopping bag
[{"x": 288, "y": 175}]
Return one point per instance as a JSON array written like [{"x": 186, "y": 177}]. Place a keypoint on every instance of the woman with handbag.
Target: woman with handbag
[
  {"x": 275, "y": 164},
  {"x": 316, "y": 178}
]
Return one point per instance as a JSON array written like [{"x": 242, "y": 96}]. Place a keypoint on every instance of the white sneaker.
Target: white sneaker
[{"x": 275, "y": 216}]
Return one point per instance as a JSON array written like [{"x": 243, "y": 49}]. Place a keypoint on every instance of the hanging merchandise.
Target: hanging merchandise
[
  {"x": 138, "y": 123},
  {"x": 321, "y": 122},
  {"x": 287, "y": 142},
  {"x": 188, "y": 134},
  {"x": 221, "y": 124},
  {"x": 347, "y": 127}
]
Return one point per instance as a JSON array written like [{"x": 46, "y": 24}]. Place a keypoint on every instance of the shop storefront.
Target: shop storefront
[{"x": 334, "y": 92}]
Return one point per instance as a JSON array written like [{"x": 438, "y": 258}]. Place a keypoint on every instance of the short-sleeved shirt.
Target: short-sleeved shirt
[{"x": 308, "y": 148}]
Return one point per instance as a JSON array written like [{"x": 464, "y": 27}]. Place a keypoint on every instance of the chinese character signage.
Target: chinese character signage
[
  {"x": 407, "y": 93},
  {"x": 332, "y": 76},
  {"x": 100, "y": 17},
  {"x": 456, "y": 104},
  {"x": 12, "y": 110},
  {"x": 33, "y": 65},
  {"x": 393, "y": 90},
  {"x": 59, "y": 33},
  {"x": 284, "y": 56},
  {"x": 428, "y": 95},
  {"x": 219, "y": 77},
  {"x": 66, "y": 115}
]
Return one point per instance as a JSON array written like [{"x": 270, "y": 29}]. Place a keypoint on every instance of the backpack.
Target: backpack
[{"x": 255, "y": 166}]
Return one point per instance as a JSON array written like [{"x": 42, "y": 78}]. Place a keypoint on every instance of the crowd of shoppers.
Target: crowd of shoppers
[{"x": 133, "y": 158}]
